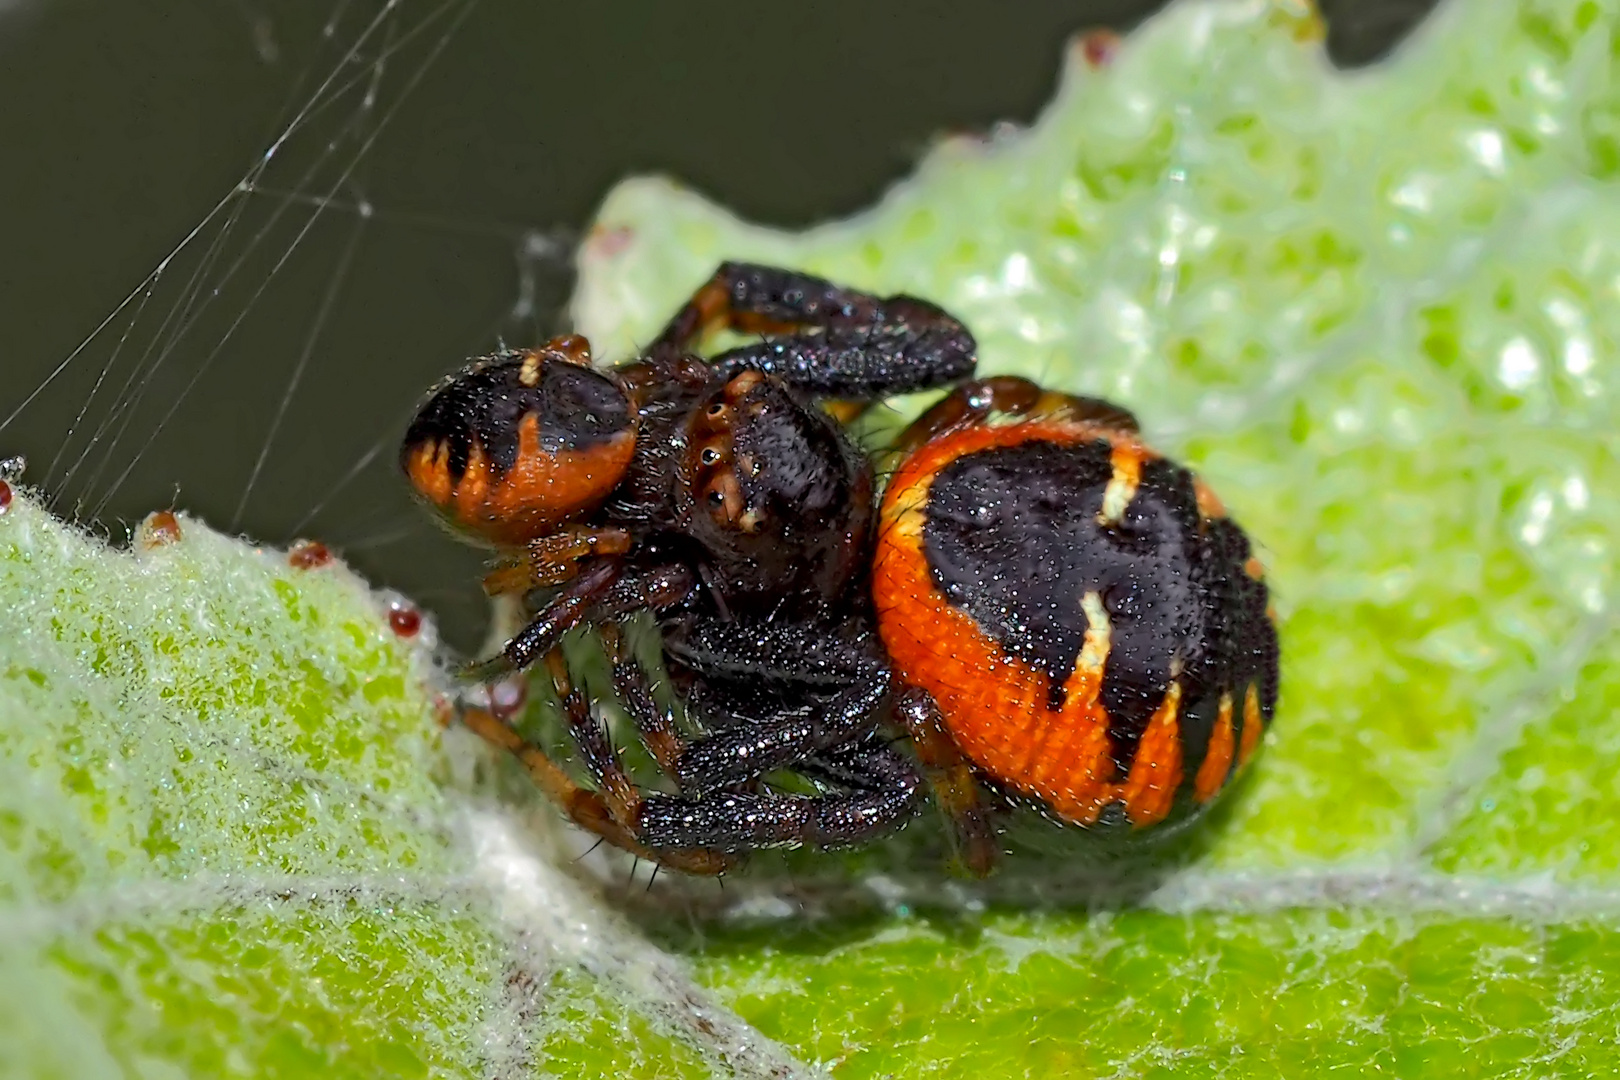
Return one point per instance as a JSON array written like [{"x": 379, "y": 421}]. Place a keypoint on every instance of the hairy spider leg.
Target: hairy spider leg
[
  {"x": 738, "y": 744},
  {"x": 632, "y": 687},
  {"x": 824, "y": 340},
  {"x": 758, "y": 299},
  {"x": 613, "y": 810},
  {"x": 882, "y": 791},
  {"x": 719, "y": 806},
  {"x": 545, "y": 629},
  {"x": 602, "y": 591},
  {"x": 554, "y": 559},
  {"x": 590, "y": 810},
  {"x": 839, "y": 689},
  {"x": 588, "y": 733}
]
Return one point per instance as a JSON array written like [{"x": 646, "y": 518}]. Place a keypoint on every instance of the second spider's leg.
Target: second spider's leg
[
  {"x": 755, "y": 299},
  {"x": 826, "y": 340},
  {"x": 951, "y": 777},
  {"x": 618, "y": 790},
  {"x": 860, "y": 363},
  {"x": 561, "y": 614},
  {"x": 973, "y": 401},
  {"x": 739, "y": 752},
  {"x": 589, "y": 735},
  {"x": 612, "y": 811},
  {"x": 883, "y": 788}
]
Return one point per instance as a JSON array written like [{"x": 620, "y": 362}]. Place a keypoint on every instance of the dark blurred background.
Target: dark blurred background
[{"x": 241, "y": 236}]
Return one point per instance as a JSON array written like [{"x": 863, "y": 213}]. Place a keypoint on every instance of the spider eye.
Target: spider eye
[
  {"x": 724, "y": 497},
  {"x": 710, "y": 455},
  {"x": 717, "y": 410}
]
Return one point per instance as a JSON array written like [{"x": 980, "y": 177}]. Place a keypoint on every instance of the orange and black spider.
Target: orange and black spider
[
  {"x": 721, "y": 496},
  {"x": 1054, "y": 613}
]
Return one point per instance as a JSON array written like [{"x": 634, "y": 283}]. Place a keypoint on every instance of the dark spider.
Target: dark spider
[
  {"x": 1052, "y": 610},
  {"x": 721, "y": 496}
]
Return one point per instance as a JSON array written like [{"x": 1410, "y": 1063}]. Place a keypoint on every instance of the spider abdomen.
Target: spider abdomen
[{"x": 1090, "y": 625}]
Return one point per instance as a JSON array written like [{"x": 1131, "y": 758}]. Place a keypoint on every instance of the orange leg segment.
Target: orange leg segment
[{"x": 951, "y": 777}]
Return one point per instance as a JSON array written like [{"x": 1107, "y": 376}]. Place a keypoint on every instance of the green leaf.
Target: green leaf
[
  {"x": 223, "y": 850},
  {"x": 1378, "y": 311}
]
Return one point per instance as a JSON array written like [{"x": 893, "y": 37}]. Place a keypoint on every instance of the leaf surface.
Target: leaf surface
[{"x": 1377, "y": 311}]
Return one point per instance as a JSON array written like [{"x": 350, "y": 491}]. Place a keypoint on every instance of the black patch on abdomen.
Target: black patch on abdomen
[
  {"x": 1012, "y": 538},
  {"x": 576, "y": 408}
]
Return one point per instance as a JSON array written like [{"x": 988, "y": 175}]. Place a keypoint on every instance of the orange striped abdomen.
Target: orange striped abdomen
[{"x": 1059, "y": 589}]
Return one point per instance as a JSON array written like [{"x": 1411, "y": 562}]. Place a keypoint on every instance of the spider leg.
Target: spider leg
[
  {"x": 951, "y": 777},
  {"x": 756, "y": 299},
  {"x": 632, "y": 686},
  {"x": 827, "y": 341},
  {"x": 749, "y": 732},
  {"x": 554, "y": 558},
  {"x": 615, "y": 786},
  {"x": 859, "y": 363},
  {"x": 883, "y": 788},
  {"x": 584, "y": 807},
  {"x": 601, "y": 592},
  {"x": 561, "y": 614},
  {"x": 741, "y": 752},
  {"x": 973, "y": 401},
  {"x": 803, "y": 689}
]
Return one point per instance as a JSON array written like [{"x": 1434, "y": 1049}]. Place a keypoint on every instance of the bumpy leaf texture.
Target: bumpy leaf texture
[{"x": 1378, "y": 311}]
